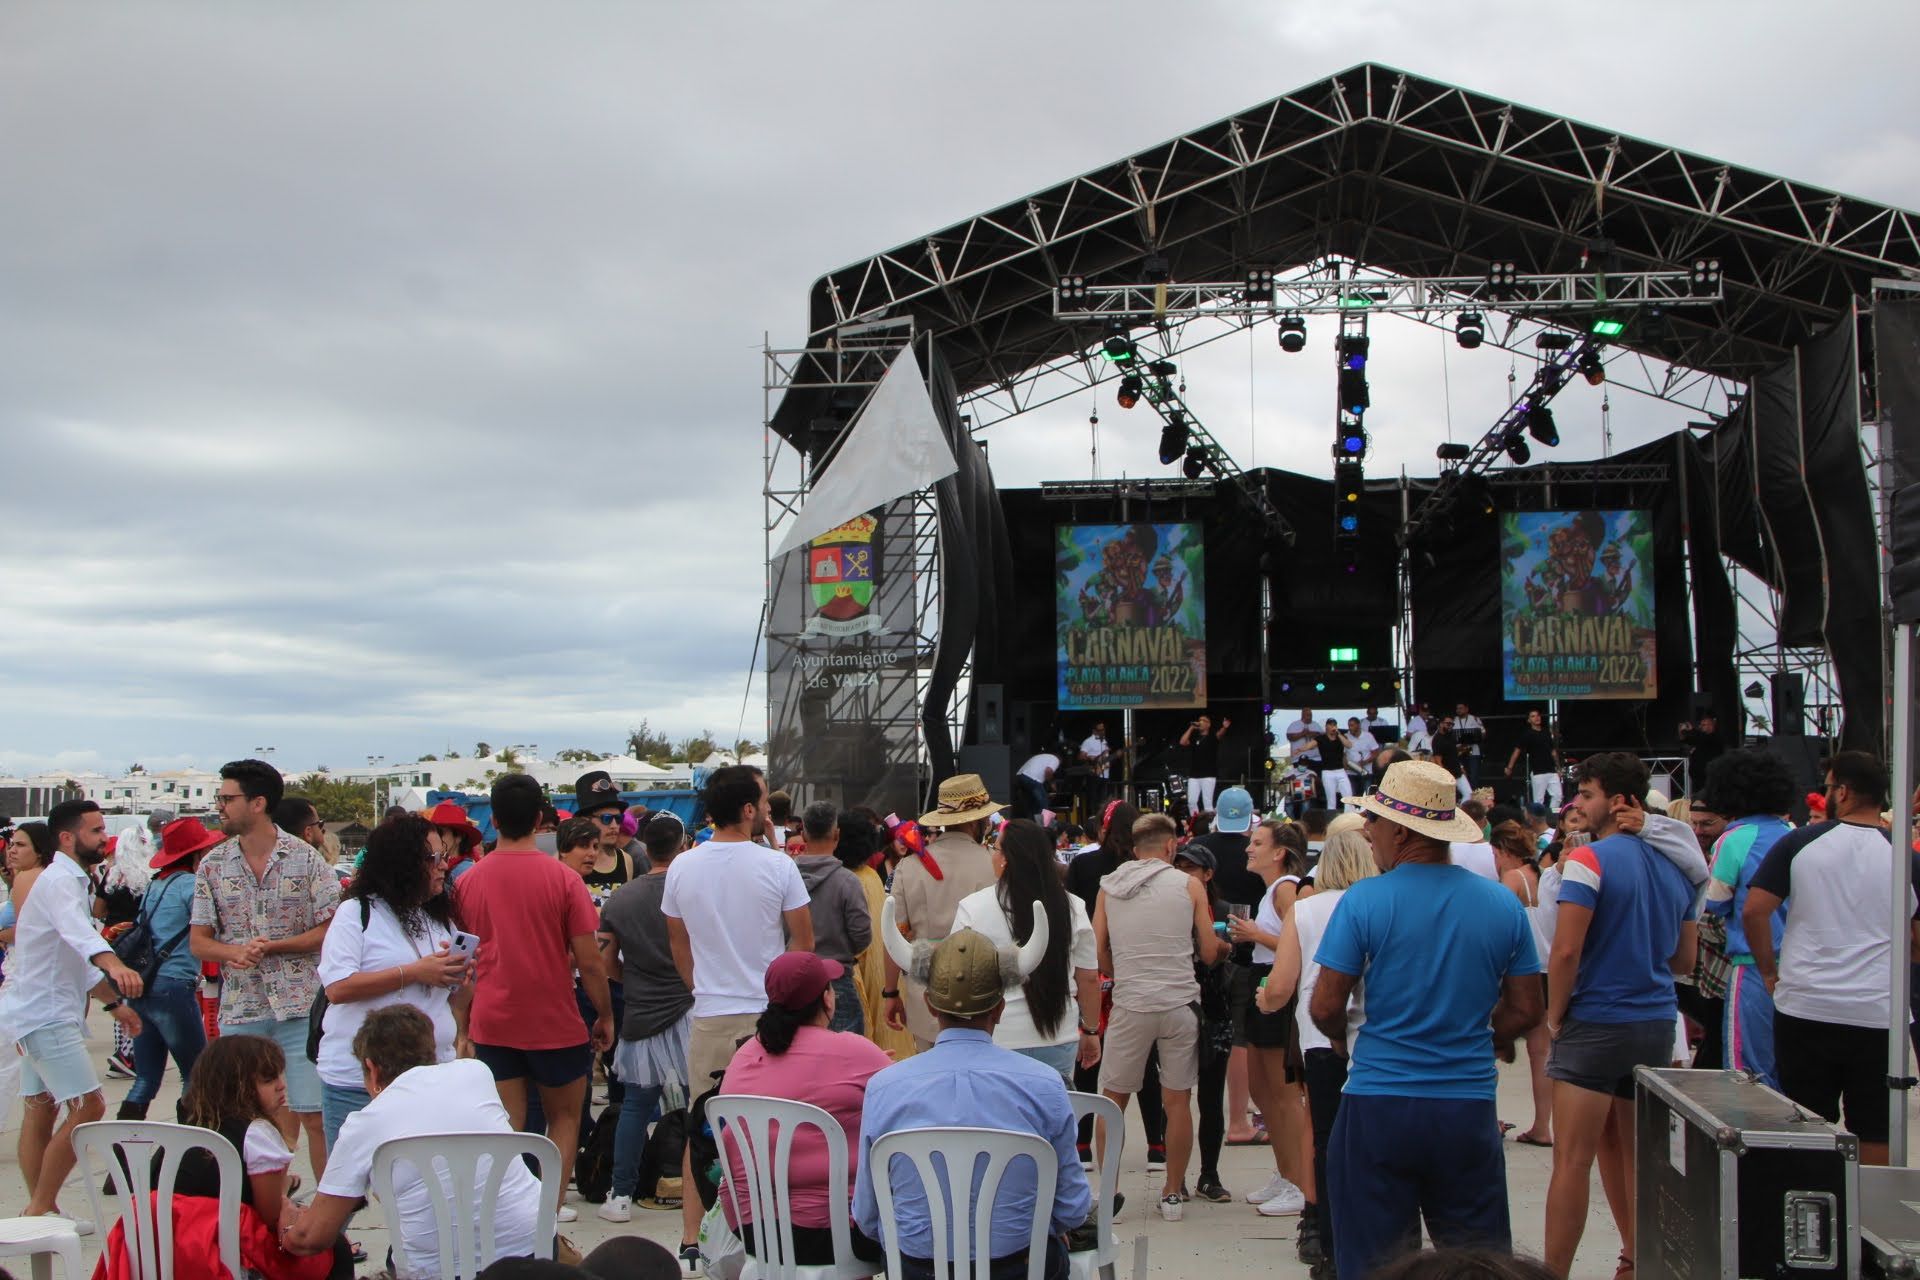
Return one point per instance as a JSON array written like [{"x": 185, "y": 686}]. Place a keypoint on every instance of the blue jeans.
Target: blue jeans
[
  {"x": 1393, "y": 1161},
  {"x": 337, "y": 1102},
  {"x": 847, "y": 1013},
  {"x": 1061, "y": 1057},
  {"x": 169, "y": 1023},
  {"x": 630, "y": 1137}
]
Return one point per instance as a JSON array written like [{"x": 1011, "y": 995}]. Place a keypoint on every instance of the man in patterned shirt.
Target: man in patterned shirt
[{"x": 261, "y": 903}]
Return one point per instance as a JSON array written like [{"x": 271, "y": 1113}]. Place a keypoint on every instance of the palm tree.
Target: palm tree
[{"x": 511, "y": 758}]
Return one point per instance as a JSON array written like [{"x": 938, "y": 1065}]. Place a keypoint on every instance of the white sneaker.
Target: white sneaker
[
  {"x": 616, "y": 1209},
  {"x": 1290, "y": 1200},
  {"x": 1173, "y": 1207},
  {"x": 567, "y": 1214},
  {"x": 1275, "y": 1185}
]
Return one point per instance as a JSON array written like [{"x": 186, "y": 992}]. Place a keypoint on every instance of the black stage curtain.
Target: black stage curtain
[
  {"x": 1715, "y": 622},
  {"x": 1829, "y": 368},
  {"x": 1792, "y": 532},
  {"x": 1896, "y": 358},
  {"x": 1729, "y": 455}
]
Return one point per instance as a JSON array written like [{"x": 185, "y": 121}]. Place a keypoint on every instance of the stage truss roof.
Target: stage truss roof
[{"x": 1395, "y": 171}]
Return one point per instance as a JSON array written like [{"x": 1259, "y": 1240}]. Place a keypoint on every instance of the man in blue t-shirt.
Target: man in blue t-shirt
[
  {"x": 1451, "y": 979},
  {"x": 1752, "y": 789},
  {"x": 1625, "y": 928}
]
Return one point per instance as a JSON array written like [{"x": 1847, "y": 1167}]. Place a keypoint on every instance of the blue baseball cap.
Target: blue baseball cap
[{"x": 1235, "y": 815}]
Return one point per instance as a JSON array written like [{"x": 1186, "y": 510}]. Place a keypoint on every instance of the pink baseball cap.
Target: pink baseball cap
[{"x": 797, "y": 978}]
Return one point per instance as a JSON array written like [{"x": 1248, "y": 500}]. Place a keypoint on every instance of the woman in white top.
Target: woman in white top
[
  {"x": 390, "y": 942},
  {"x": 1346, "y": 858},
  {"x": 1514, "y": 854},
  {"x": 1039, "y": 1021},
  {"x": 1277, "y": 853}
]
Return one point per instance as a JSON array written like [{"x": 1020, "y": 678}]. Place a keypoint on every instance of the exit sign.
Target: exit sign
[{"x": 1343, "y": 655}]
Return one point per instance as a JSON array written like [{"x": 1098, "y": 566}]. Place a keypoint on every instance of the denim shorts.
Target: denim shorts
[
  {"x": 303, "y": 1078},
  {"x": 1601, "y": 1056},
  {"x": 57, "y": 1062}
]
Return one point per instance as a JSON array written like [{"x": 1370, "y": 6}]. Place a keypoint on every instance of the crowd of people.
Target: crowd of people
[{"x": 1337, "y": 990}]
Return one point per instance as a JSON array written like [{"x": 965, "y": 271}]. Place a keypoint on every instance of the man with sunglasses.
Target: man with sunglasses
[{"x": 599, "y": 798}]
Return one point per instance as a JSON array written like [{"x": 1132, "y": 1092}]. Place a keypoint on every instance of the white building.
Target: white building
[{"x": 476, "y": 773}]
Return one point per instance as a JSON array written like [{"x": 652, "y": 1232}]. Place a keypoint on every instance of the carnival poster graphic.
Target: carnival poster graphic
[
  {"x": 842, "y": 574},
  {"x": 1131, "y": 616},
  {"x": 1576, "y": 605}
]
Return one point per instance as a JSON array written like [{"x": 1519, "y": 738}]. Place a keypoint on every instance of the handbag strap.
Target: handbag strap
[{"x": 146, "y": 916}]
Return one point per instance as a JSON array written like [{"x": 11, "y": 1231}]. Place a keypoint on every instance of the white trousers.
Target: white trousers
[
  {"x": 1546, "y": 790},
  {"x": 1335, "y": 783},
  {"x": 1200, "y": 794}
]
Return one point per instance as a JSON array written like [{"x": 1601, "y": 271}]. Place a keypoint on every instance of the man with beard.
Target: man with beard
[
  {"x": 261, "y": 905},
  {"x": 57, "y": 958}
]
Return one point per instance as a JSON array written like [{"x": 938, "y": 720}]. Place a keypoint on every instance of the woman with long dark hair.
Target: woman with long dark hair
[
  {"x": 29, "y": 849},
  {"x": 1039, "y": 1020},
  {"x": 390, "y": 942},
  {"x": 1114, "y": 851},
  {"x": 793, "y": 1055}
]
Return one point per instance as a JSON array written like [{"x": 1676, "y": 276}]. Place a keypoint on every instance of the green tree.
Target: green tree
[
  {"x": 511, "y": 758},
  {"x": 482, "y": 749},
  {"x": 646, "y": 743},
  {"x": 698, "y": 747},
  {"x": 744, "y": 748},
  {"x": 578, "y": 755},
  {"x": 425, "y": 758},
  {"x": 337, "y": 800}
]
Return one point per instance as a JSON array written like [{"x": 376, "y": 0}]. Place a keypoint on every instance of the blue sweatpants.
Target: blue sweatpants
[
  {"x": 1394, "y": 1161},
  {"x": 1749, "y": 1026}
]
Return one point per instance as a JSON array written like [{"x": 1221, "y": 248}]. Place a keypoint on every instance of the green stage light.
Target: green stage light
[
  {"x": 1343, "y": 655},
  {"x": 1607, "y": 327},
  {"x": 1320, "y": 686}
]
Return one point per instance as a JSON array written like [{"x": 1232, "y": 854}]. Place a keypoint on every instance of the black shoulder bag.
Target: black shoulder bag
[{"x": 137, "y": 947}]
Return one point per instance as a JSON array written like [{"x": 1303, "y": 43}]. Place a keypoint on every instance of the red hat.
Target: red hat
[
  {"x": 449, "y": 814},
  {"x": 181, "y": 839},
  {"x": 797, "y": 978}
]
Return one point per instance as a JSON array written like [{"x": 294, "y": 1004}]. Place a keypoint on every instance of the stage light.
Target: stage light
[
  {"x": 1163, "y": 369},
  {"x": 1517, "y": 449},
  {"x": 1286, "y": 686},
  {"x": 1552, "y": 378},
  {"x": 1609, "y": 327},
  {"x": 1349, "y": 524},
  {"x": 1354, "y": 396},
  {"x": 1260, "y": 284},
  {"x": 1195, "y": 465},
  {"x": 1073, "y": 290},
  {"x": 1353, "y": 352},
  {"x": 1755, "y": 690},
  {"x": 1118, "y": 347},
  {"x": 1470, "y": 329},
  {"x": 1553, "y": 340},
  {"x": 1541, "y": 427},
  {"x": 1173, "y": 441},
  {"x": 1502, "y": 275},
  {"x": 1592, "y": 368},
  {"x": 1706, "y": 273},
  {"x": 1293, "y": 334},
  {"x": 1129, "y": 393},
  {"x": 1343, "y": 655},
  {"x": 1156, "y": 268},
  {"x": 1320, "y": 686},
  {"x": 1366, "y": 686},
  {"x": 1350, "y": 445},
  {"x": 1453, "y": 452}
]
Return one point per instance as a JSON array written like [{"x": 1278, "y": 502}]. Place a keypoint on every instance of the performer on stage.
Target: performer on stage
[
  {"x": 1330, "y": 745},
  {"x": 1096, "y": 755},
  {"x": 1543, "y": 762},
  {"x": 1203, "y": 771}
]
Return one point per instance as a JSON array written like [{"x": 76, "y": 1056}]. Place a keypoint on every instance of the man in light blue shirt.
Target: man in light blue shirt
[{"x": 966, "y": 1079}]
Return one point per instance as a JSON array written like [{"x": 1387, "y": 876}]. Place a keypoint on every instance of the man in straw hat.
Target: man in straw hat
[
  {"x": 966, "y": 1079},
  {"x": 1451, "y": 977},
  {"x": 927, "y": 888}
]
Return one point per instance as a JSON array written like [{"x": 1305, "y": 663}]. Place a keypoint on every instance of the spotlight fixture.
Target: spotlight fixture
[
  {"x": 1453, "y": 452},
  {"x": 1130, "y": 388},
  {"x": 1755, "y": 690},
  {"x": 1163, "y": 368},
  {"x": 1118, "y": 347},
  {"x": 1354, "y": 397},
  {"x": 1517, "y": 449},
  {"x": 1591, "y": 368},
  {"x": 1608, "y": 326},
  {"x": 1353, "y": 352},
  {"x": 1552, "y": 378},
  {"x": 1502, "y": 275},
  {"x": 1350, "y": 445},
  {"x": 1196, "y": 464},
  {"x": 1553, "y": 340},
  {"x": 1173, "y": 439},
  {"x": 1293, "y": 334},
  {"x": 1541, "y": 427},
  {"x": 1073, "y": 290},
  {"x": 1706, "y": 273},
  {"x": 1470, "y": 329},
  {"x": 1260, "y": 284},
  {"x": 1156, "y": 268}
]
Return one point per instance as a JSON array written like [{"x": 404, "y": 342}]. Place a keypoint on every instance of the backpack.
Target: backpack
[
  {"x": 665, "y": 1146},
  {"x": 593, "y": 1167}
]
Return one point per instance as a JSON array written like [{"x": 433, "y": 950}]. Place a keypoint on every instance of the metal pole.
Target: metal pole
[{"x": 1899, "y": 952}]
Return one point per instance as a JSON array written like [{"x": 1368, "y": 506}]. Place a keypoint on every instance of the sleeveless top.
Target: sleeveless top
[
  {"x": 1268, "y": 920},
  {"x": 601, "y": 884},
  {"x": 1150, "y": 933},
  {"x": 1543, "y": 911}
]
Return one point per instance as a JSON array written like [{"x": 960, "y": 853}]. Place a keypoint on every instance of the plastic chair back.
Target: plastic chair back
[
  {"x": 127, "y": 1148},
  {"x": 948, "y": 1161},
  {"x": 1109, "y": 1122},
  {"x": 463, "y": 1207},
  {"x": 759, "y": 1132}
]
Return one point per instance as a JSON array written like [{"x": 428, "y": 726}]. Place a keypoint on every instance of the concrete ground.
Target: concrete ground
[{"x": 1220, "y": 1240}]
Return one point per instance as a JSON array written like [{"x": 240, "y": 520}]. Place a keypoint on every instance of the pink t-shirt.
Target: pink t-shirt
[
  {"x": 829, "y": 1069},
  {"x": 527, "y": 908}
]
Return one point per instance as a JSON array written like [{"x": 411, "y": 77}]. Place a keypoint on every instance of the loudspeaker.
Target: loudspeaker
[
  {"x": 1789, "y": 702},
  {"x": 993, "y": 761},
  {"x": 1021, "y": 724},
  {"x": 989, "y": 712}
]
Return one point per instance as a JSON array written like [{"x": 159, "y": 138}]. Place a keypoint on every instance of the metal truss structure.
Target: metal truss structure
[{"x": 1395, "y": 179}]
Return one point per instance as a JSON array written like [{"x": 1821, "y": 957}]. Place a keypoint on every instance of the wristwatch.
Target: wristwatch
[
  {"x": 1090, "y": 1031},
  {"x": 111, "y": 1005},
  {"x": 891, "y": 993}
]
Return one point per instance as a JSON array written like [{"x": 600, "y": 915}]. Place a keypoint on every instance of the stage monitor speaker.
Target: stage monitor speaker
[
  {"x": 1789, "y": 702},
  {"x": 993, "y": 761},
  {"x": 989, "y": 706},
  {"x": 1022, "y": 725}
]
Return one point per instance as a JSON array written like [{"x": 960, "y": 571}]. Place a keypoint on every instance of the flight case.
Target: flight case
[{"x": 1733, "y": 1181}]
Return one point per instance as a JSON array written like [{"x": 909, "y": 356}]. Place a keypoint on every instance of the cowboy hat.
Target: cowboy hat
[
  {"x": 450, "y": 815},
  {"x": 963, "y": 798},
  {"x": 1420, "y": 796},
  {"x": 180, "y": 840},
  {"x": 966, "y": 974}
]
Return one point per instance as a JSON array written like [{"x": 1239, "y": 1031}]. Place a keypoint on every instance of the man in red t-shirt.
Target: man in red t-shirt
[{"x": 536, "y": 924}]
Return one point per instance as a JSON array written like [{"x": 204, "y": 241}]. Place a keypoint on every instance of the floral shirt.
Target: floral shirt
[{"x": 298, "y": 892}]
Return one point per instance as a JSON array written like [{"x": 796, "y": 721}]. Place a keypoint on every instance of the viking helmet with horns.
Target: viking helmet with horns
[{"x": 965, "y": 974}]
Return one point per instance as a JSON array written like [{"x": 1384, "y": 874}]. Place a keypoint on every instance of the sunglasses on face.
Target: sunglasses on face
[{"x": 606, "y": 817}]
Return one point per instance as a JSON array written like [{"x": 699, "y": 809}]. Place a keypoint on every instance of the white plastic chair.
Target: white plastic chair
[
  {"x": 467, "y": 1243},
  {"x": 41, "y": 1240},
  {"x": 944, "y": 1157},
  {"x": 1108, "y": 1119},
  {"x": 127, "y": 1149},
  {"x": 762, "y": 1131}
]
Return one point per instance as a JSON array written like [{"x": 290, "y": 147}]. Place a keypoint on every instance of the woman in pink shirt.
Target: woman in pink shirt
[{"x": 793, "y": 1055}]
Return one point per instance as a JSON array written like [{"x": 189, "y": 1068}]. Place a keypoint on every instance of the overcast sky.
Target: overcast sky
[{"x": 379, "y": 377}]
